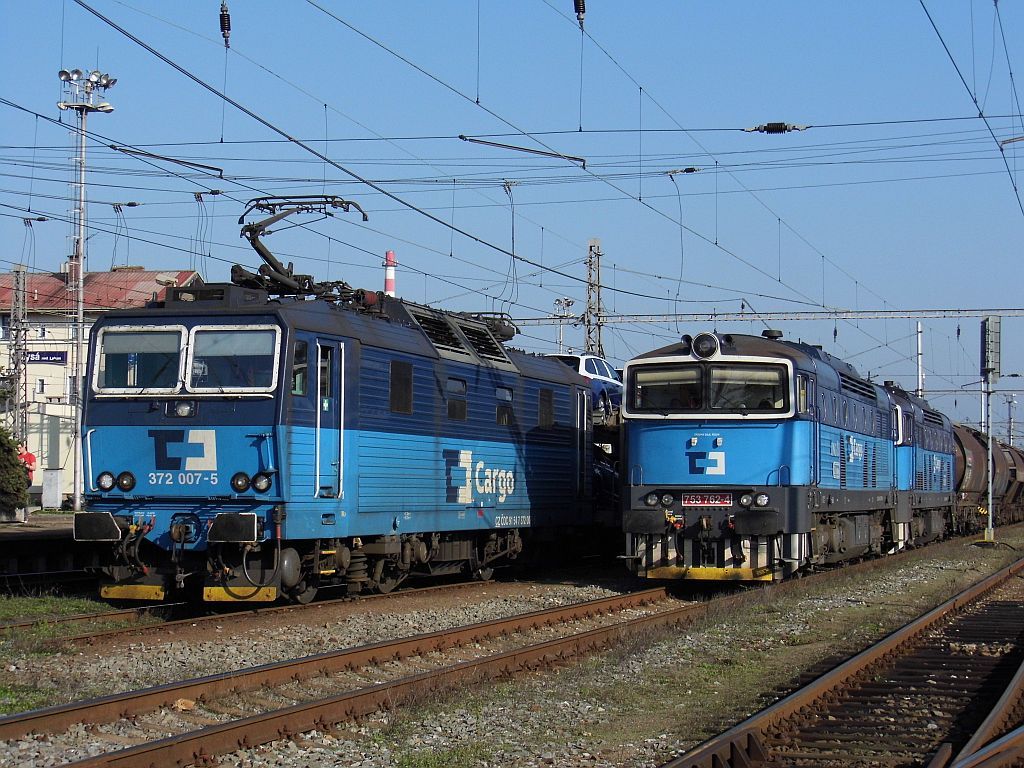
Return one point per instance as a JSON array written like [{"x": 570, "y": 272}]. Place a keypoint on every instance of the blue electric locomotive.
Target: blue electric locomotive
[
  {"x": 251, "y": 447},
  {"x": 752, "y": 458}
]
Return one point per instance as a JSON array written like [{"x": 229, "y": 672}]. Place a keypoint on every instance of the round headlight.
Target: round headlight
[
  {"x": 183, "y": 408},
  {"x": 106, "y": 481},
  {"x": 667, "y": 499},
  {"x": 240, "y": 482},
  {"x": 651, "y": 499},
  {"x": 746, "y": 500},
  {"x": 705, "y": 345},
  {"x": 126, "y": 481},
  {"x": 762, "y": 500},
  {"x": 261, "y": 483}
]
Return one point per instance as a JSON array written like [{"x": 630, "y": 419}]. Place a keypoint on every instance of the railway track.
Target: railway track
[
  {"x": 194, "y": 720},
  {"x": 132, "y": 621},
  {"x": 931, "y": 694}
]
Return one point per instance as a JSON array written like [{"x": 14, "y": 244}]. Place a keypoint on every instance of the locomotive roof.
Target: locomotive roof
[
  {"x": 917, "y": 405},
  {"x": 375, "y": 320}
]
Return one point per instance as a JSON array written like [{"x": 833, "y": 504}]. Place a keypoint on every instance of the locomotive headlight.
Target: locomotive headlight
[
  {"x": 746, "y": 500},
  {"x": 667, "y": 499},
  {"x": 126, "y": 481},
  {"x": 184, "y": 408},
  {"x": 651, "y": 499},
  {"x": 240, "y": 482},
  {"x": 106, "y": 481},
  {"x": 261, "y": 482},
  {"x": 762, "y": 500},
  {"x": 705, "y": 345}
]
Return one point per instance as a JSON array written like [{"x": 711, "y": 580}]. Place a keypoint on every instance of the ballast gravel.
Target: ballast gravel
[{"x": 635, "y": 706}]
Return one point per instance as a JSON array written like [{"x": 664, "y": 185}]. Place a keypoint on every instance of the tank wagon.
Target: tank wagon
[
  {"x": 272, "y": 436},
  {"x": 754, "y": 458}
]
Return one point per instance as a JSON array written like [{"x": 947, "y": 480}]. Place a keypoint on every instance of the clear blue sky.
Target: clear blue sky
[{"x": 895, "y": 198}]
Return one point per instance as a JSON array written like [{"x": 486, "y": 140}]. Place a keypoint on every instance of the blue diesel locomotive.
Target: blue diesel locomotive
[
  {"x": 246, "y": 446},
  {"x": 752, "y": 458}
]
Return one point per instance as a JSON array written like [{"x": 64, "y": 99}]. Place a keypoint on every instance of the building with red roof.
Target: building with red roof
[{"x": 50, "y": 310}]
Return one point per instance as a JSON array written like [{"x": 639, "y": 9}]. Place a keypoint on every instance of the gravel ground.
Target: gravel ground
[{"x": 635, "y": 706}]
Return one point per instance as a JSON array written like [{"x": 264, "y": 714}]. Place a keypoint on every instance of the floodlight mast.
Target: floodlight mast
[{"x": 80, "y": 91}]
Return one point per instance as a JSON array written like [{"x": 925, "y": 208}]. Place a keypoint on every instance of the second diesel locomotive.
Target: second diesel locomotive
[{"x": 753, "y": 458}]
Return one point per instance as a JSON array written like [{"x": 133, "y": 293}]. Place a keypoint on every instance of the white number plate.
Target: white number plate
[{"x": 706, "y": 500}]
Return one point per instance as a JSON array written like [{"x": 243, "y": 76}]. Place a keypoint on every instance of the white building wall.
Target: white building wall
[{"x": 50, "y": 342}]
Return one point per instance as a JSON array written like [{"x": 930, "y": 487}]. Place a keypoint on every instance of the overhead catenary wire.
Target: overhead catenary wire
[
  {"x": 524, "y": 204},
  {"x": 981, "y": 111}
]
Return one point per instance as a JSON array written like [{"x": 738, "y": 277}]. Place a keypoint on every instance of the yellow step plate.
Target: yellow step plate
[
  {"x": 710, "y": 574},
  {"x": 240, "y": 594},
  {"x": 132, "y": 592}
]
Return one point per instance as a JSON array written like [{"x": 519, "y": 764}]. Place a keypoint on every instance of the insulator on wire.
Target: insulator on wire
[
  {"x": 225, "y": 23},
  {"x": 581, "y": 10}
]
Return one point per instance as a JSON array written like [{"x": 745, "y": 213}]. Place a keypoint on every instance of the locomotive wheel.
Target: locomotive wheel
[
  {"x": 386, "y": 577},
  {"x": 388, "y": 583},
  {"x": 303, "y": 594},
  {"x": 479, "y": 572}
]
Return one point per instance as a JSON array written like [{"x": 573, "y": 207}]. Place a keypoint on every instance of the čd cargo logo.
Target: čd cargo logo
[
  {"x": 462, "y": 477},
  {"x": 706, "y": 462},
  {"x": 192, "y": 450}
]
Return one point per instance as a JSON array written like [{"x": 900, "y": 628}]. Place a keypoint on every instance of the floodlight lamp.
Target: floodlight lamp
[
  {"x": 62, "y": 105},
  {"x": 75, "y": 74},
  {"x": 111, "y": 81},
  {"x": 94, "y": 76},
  {"x": 64, "y": 75},
  {"x": 104, "y": 79},
  {"x": 104, "y": 106}
]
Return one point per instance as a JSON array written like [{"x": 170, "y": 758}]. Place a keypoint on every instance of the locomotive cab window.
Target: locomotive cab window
[
  {"x": 749, "y": 387},
  {"x": 300, "y": 368},
  {"x": 805, "y": 394},
  {"x": 232, "y": 359},
  {"x": 138, "y": 360},
  {"x": 662, "y": 389}
]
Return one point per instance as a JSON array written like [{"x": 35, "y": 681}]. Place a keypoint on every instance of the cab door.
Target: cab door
[{"x": 328, "y": 423}]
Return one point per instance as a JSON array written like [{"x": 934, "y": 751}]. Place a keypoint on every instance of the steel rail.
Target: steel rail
[
  {"x": 241, "y": 610},
  {"x": 127, "y": 614},
  {"x": 1006, "y": 751},
  {"x": 995, "y": 742},
  {"x": 118, "y": 706},
  {"x": 202, "y": 745},
  {"x": 745, "y": 743}
]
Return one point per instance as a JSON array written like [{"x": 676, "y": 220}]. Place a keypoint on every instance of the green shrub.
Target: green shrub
[{"x": 13, "y": 478}]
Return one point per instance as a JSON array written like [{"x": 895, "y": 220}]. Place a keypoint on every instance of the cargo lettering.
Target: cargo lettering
[
  {"x": 499, "y": 481},
  {"x": 463, "y": 476}
]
